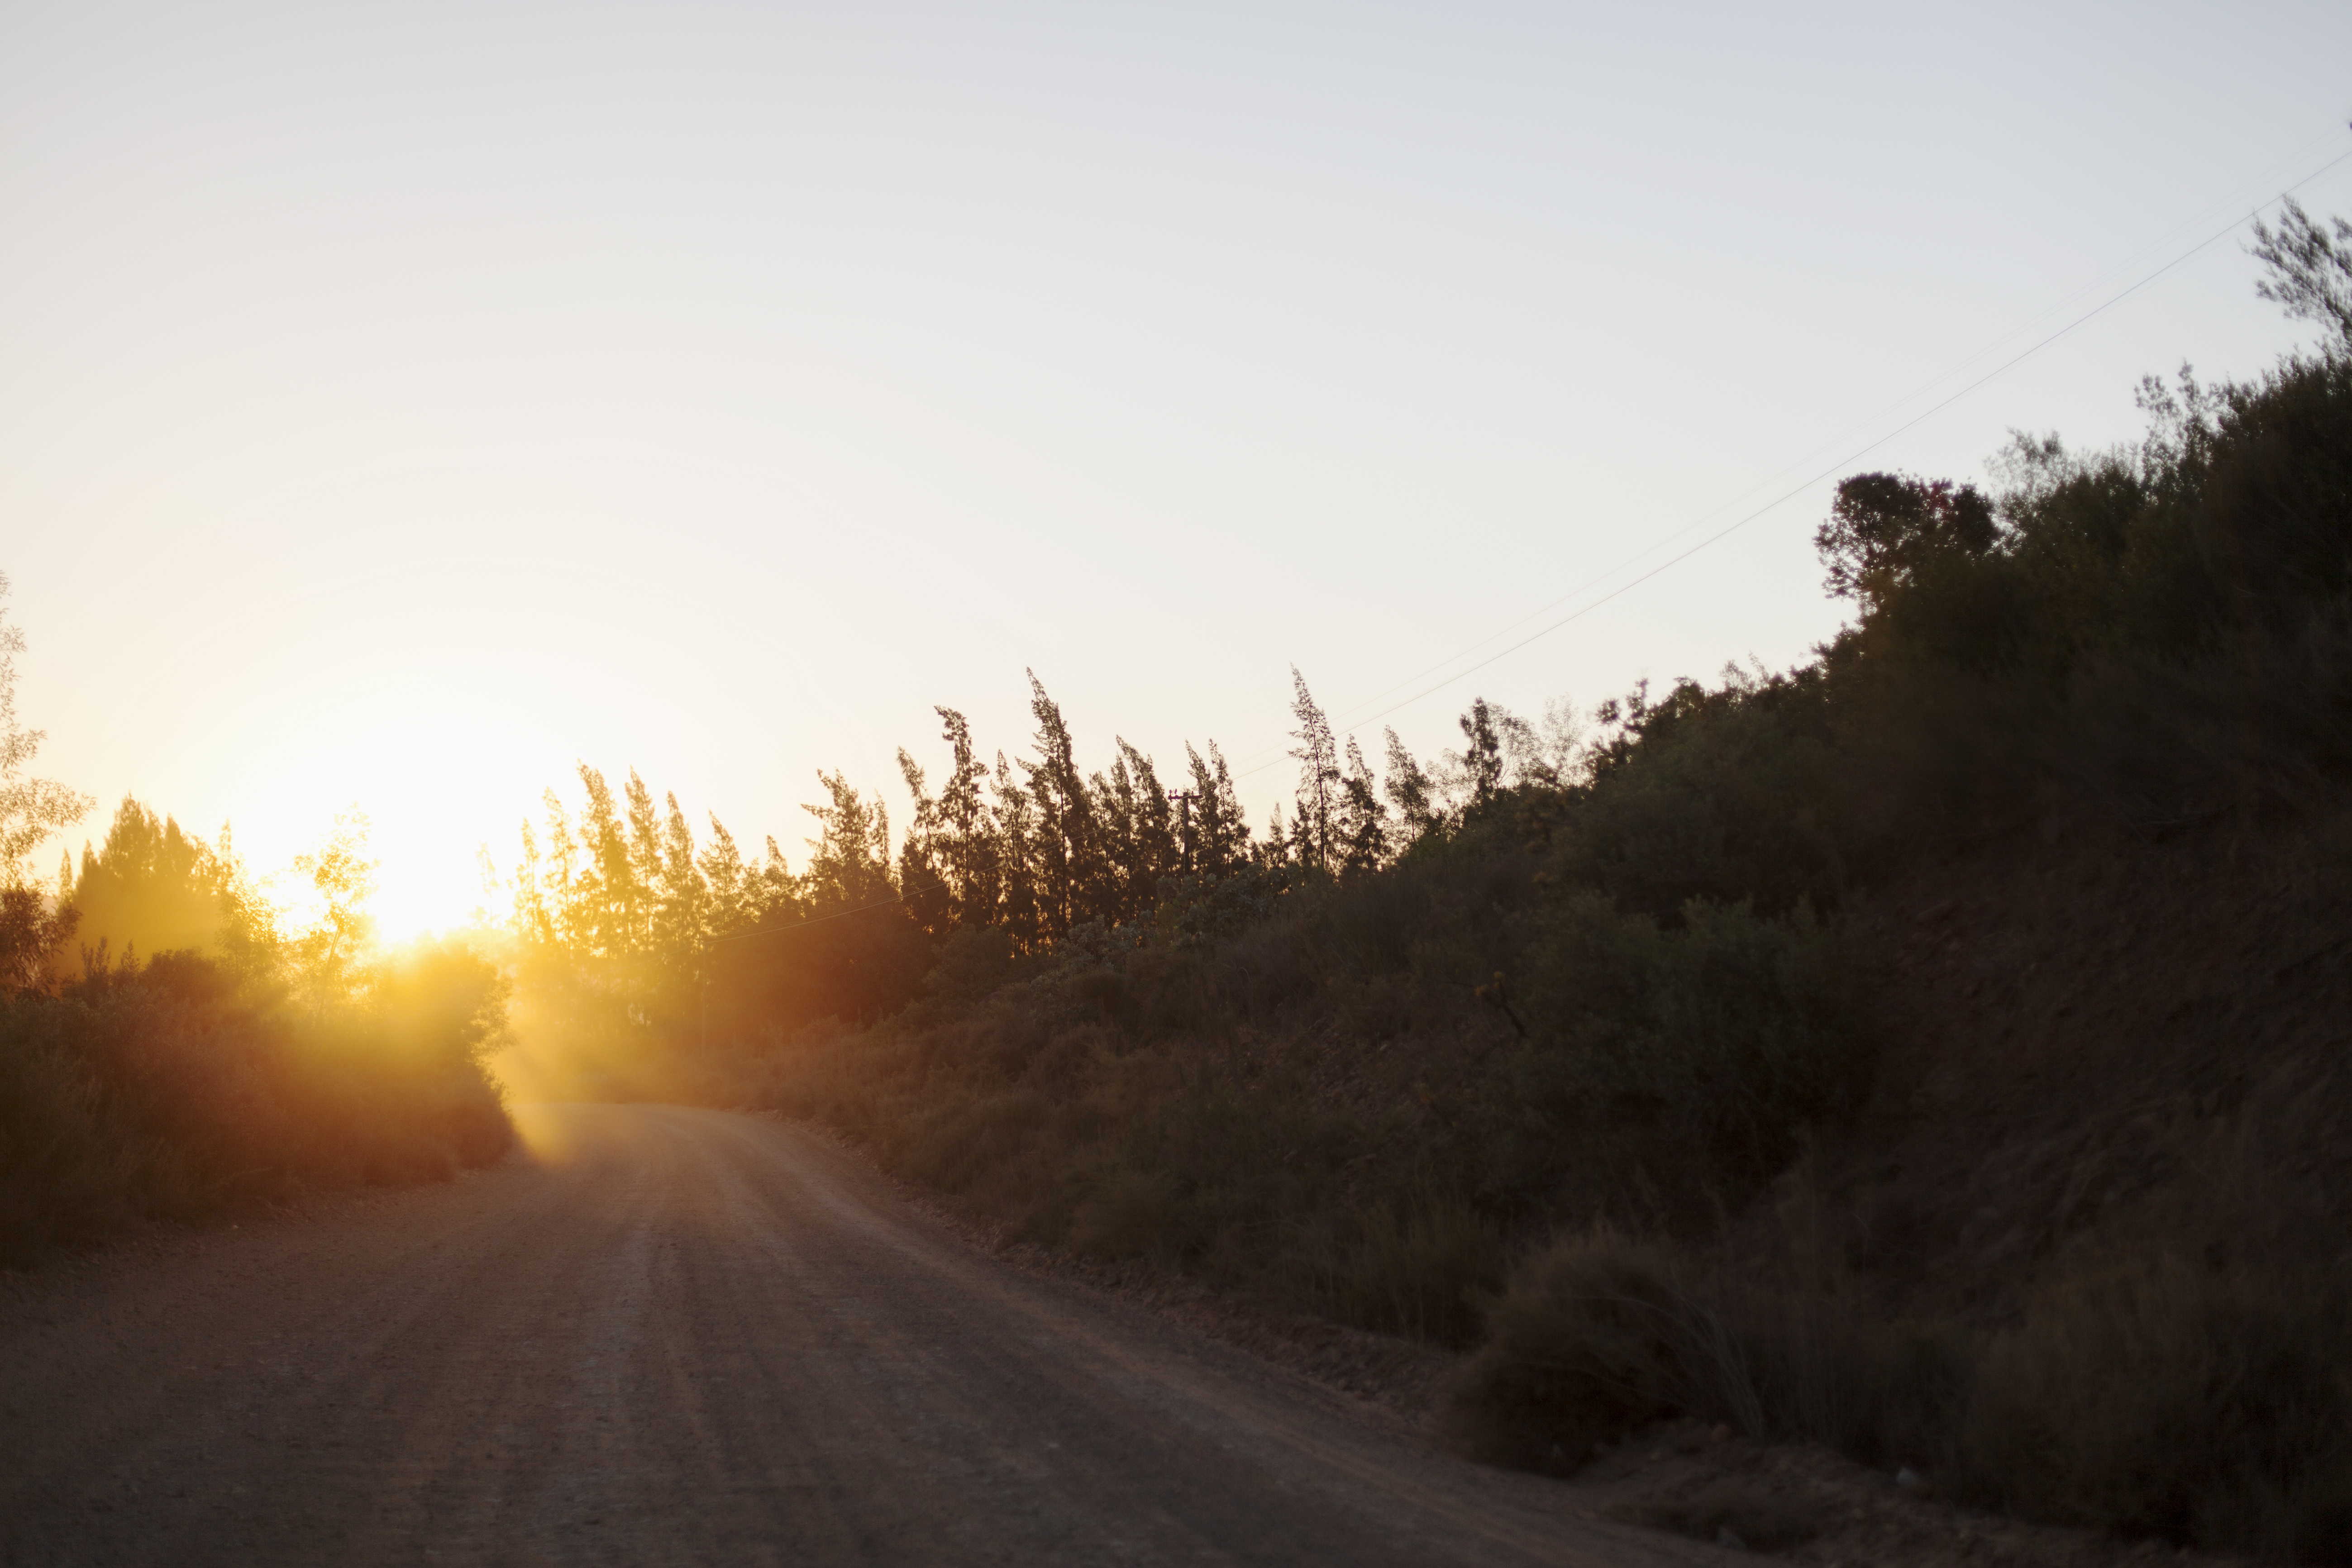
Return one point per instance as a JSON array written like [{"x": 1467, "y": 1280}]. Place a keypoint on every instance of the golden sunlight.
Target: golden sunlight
[{"x": 408, "y": 773}]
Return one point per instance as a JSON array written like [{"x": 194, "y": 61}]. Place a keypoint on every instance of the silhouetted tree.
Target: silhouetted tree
[
  {"x": 1138, "y": 830},
  {"x": 1065, "y": 852},
  {"x": 921, "y": 881},
  {"x": 343, "y": 875},
  {"x": 1219, "y": 833},
  {"x": 1883, "y": 528},
  {"x": 1482, "y": 760},
  {"x": 849, "y": 860},
  {"x": 1411, "y": 791},
  {"x": 605, "y": 903},
  {"x": 969, "y": 856},
  {"x": 1020, "y": 907},
  {"x": 32, "y": 926},
  {"x": 2310, "y": 271},
  {"x": 148, "y": 889},
  {"x": 1320, "y": 780},
  {"x": 729, "y": 888},
  {"x": 1363, "y": 820}
]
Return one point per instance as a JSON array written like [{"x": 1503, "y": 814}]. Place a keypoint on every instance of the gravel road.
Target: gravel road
[{"x": 672, "y": 1335}]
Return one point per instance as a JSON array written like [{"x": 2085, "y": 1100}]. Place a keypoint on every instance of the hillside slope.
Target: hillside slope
[{"x": 2107, "y": 1041}]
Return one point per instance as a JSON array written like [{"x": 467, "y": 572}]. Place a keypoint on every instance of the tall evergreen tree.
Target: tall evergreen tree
[
  {"x": 533, "y": 922},
  {"x": 1068, "y": 854},
  {"x": 1021, "y": 904},
  {"x": 922, "y": 879},
  {"x": 727, "y": 882},
  {"x": 779, "y": 893},
  {"x": 1221, "y": 833},
  {"x": 1411, "y": 791},
  {"x": 1320, "y": 781},
  {"x": 644, "y": 859},
  {"x": 608, "y": 898},
  {"x": 1363, "y": 820},
  {"x": 1137, "y": 833},
  {"x": 682, "y": 915},
  {"x": 968, "y": 857},
  {"x": 849, "y": 860},
  {"x": 148, "y": 888},
  {"x": 1482, "y": 760}
]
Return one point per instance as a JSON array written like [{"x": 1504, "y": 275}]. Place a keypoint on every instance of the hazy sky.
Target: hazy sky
[{"x": 398, "y": 402}]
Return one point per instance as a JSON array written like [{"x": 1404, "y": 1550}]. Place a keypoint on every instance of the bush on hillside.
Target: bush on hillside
[
  {"x": 1599, "y": 1335},
  {"x": 1697, "y": 1053},
  {"x": 2153, "y": 1397}
]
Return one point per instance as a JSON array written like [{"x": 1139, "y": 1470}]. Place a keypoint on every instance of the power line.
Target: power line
[
  {"x": 2039, "y": 316},
  {"x": 1800, "y": 488}
]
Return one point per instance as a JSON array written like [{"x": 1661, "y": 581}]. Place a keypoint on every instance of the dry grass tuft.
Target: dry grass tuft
[{"x": 2153, "y": 1397}]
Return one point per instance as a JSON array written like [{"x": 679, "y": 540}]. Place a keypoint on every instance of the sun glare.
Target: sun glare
[{"x": 421, "y": 774}]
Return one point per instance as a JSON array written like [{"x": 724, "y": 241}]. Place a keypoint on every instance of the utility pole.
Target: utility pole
[{"x": 1183, "y": 799}]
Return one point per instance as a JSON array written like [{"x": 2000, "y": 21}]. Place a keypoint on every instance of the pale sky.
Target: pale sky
[{"x": 398, "y": 402}]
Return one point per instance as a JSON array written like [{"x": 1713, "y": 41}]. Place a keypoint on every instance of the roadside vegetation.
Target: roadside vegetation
[
  {"x": 1932, "y": 1051},
  {"x": 1584, "y": 1048},
  {"x": 167, "y": 1051}
]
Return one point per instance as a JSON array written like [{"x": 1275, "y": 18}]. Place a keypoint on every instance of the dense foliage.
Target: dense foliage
[{"x": 167, "y": 1050}]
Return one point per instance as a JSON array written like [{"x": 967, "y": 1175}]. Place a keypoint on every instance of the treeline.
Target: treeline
[
  {"x": 172, "y": 1048},
  {"x": 638, "y": 935}
]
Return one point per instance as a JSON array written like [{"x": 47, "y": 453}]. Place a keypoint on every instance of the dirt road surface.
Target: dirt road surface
[{"x": 672, "y": 1335}]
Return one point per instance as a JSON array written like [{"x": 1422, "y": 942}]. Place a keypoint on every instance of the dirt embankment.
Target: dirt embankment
[{"x": 2107, "y": 1042}]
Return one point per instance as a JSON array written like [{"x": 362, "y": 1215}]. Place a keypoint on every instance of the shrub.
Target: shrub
[
  {"x": 162, "y": 1092},
  {"x": 2152, "y": 1396},
  {"x": 1598, "y": 1335},
  {"x": 1711, "y": 1045},
  {"x": 1423, "y": 1268},
  {"x": 1594, "y": 1339}
]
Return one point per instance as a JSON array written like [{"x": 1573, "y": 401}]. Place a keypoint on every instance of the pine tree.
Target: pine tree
[
  {"x": 1281, "y": 845},
  {"x": 1363, "y": 820},
  {"x": 1482, "y": 764},
  {"x": 968, "y": 855},
  {"x": 534, "y": 919},
  {"x": 609, "y": 900},
  {"x": 728, "y": 884},
  {"x": 1020, "y": 900},
  {"x": 570, "y": 918},
  {"x": 1138, "y": 842},
  {"x": 922, "y": 880},
  {"x": 1219, "y": 832},
  {"x": 682, "y": 917},
  {"x": 1320, "y": 780},
  {"x": 1412, "y": 791},
  {"x": 849, "y": 860},
  {"x": 644, "y": 862},
  {"x": 1067, "y": 851},
  {"x": 150, "y": 887},
  {"x": 779, "y": 891}
]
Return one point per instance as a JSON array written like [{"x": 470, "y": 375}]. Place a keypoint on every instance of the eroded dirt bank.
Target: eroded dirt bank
[{"x": 683, "y": 1336}]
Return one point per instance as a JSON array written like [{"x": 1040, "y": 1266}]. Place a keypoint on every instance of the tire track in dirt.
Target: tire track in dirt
[{"x": 673, "y": 1335}]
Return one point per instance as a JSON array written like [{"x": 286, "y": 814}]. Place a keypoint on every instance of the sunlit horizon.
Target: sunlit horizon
[{"x": 399, "y": 409}]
